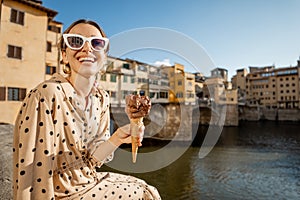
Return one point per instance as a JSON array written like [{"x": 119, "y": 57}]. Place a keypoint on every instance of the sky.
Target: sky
[{"x": 234, "y": 34}]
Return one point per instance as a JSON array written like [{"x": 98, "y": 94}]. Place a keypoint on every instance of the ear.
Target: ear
[{"x": 64, "y": 57}]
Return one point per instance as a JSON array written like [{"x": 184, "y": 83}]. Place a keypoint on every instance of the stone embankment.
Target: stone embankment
[{"x": 262, "y": 113}]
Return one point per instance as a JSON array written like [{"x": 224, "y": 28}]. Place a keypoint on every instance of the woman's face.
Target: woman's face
[{"x": 85, "y": 61}]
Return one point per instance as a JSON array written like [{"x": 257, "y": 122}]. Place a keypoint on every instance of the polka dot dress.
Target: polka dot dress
[{"x": 54, "y": 141}]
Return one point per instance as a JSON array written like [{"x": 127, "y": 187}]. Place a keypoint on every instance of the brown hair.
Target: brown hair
[{"x": 81, "y": 21}]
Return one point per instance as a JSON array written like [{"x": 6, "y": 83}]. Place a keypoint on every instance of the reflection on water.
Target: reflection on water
[{"x": 257, "y": 160}]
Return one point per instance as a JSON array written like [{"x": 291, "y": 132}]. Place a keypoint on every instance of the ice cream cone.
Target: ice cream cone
[{"x": 135, "y": 125}]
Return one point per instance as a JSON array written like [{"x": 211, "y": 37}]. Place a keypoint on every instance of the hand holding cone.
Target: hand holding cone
[{"x": 137, "y": 107}]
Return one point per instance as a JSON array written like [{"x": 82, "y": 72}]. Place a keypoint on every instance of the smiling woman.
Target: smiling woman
[{"x": 62, "y": 131}]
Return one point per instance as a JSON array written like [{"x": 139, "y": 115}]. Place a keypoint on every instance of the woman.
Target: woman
[{"x": 62, "y": 130}]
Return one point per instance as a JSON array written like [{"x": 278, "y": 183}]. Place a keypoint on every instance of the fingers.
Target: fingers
[
  {"x": 124, "y": 134},
  {"x": 141, "y": 131},
  {"x": 141, "y": 135}
]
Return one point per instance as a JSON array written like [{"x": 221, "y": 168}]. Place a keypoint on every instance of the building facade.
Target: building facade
[
  {"x": 274, "y": 88},
  {"x": 28, "y": 35},
  {"x": 218, "y": 90},
  {"x": 127, "y": 76}
]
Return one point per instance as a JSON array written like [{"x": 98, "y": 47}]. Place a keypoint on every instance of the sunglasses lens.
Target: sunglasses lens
[
  {"x": 75, "y": 42},
  {"x": 98, "y": 44}
]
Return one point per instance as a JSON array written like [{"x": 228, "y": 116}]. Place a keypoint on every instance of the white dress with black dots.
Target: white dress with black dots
[{"x": 54, "y": 141}]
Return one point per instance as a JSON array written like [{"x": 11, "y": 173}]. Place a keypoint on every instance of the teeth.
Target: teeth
[{"x": 86, "y": 59}]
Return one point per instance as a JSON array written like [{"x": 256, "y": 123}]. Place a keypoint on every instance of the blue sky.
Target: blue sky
[{"x": 234, "y": 33}]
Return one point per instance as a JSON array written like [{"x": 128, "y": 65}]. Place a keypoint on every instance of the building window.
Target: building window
[
  {"x": 125, "y": 93},
  {"x": 162, "y": 83},
  {"x": 132, "y": 79},
  {"x": 153, "y": 82},
  {"x": 125, "y": 79},
  {"x": 142, "y": 80},
  {"x": 163, "y": 95},
  {"x": 103, "y": 77},
  {"x": 16, "y": 94},
  {"x": 49, "y": 47},
  {"x": 142, "y": 68},
  {"x": 54, "y": 29},
  {"x": 179, "y": 95},
  {"x": 126, "y": 66},
  {"x": 152, "y": 95},
  {"x": 17, "y": 16},
  {"x": 14, "y": 52},
  {"x": 113, "y": 78},
  {"x": 2, "y": 93},
  {"x": 50, "y": 70},
  {"x": 179, "y": 82},
  {"x": 113, "y": 94}
]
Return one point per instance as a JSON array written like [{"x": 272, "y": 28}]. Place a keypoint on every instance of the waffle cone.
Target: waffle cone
[{"x": 135, "y": 124}]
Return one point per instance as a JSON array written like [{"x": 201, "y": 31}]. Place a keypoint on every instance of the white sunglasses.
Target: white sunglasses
[{"x": 76, "y": 42}]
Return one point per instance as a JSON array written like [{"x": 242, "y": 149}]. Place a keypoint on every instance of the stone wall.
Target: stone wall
[
  {"x": 210, "y": 116},
  {"x": 262, "y": 113},
  {"x": 291, "y": 115},
  {"x": 232, "y": 115}
]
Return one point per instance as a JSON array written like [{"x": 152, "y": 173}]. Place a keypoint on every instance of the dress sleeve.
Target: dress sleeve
[
  {"x": 104, "y": 150},
  {"x": 33, "y": 149}
]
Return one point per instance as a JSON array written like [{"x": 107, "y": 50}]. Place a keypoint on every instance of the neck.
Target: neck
[{"x": 83, "y": 85}]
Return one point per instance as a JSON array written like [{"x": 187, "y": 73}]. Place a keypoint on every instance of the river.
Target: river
[{"x": 256, "y": 160}]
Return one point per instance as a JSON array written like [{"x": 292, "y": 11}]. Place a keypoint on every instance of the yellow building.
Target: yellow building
[
  {"x": 182, "y": 84},
  {"x": 28, "y": 52}
]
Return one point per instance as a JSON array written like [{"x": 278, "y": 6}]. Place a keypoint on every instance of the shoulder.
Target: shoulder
[{"x": 48, "y": 89}]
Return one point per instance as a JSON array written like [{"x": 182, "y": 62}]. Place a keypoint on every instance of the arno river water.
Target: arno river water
[{"x": 256, "y": 160}]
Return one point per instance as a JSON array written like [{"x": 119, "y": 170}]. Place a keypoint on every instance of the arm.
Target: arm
[
  {"x": 108, "y": 144},
  {"x": 120, "y": 136}
]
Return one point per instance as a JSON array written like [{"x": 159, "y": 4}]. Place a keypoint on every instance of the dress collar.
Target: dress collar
[{"x": 69, "y": 90}]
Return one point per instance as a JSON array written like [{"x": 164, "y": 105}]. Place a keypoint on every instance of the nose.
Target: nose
[{"x": 87, "y": 46}]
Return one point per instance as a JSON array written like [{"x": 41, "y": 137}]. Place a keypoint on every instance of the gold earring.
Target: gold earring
[{"x": 67, "y": 69}]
